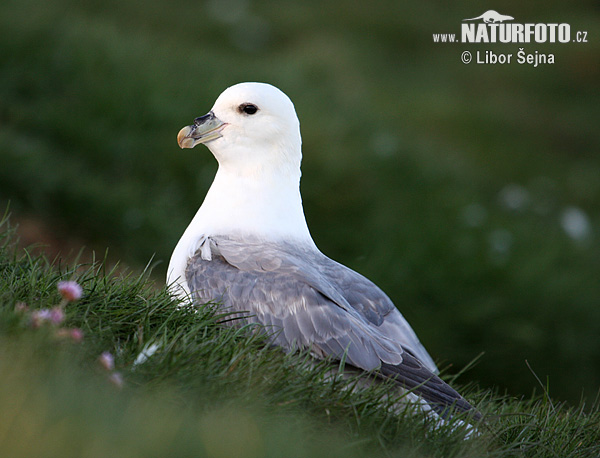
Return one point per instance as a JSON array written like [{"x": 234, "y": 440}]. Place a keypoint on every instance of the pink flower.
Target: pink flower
[
  {"x": 21, "y": 307},
  {"x": 39, "y": 317},
  {"x": 116, "y": 379},
  {"x": 57, "y": 316},
  {"x": 70, "y": 290},
  {"x": 107, "y": 361},
  {"x": 53, "y": 316},
  {"x": 75, "y": 334}
]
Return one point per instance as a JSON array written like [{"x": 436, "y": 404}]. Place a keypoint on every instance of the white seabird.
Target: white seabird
[{"x": 249, "y": 248}]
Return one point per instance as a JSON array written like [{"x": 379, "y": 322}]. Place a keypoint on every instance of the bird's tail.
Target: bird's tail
[{"x": 444, "y": 400}]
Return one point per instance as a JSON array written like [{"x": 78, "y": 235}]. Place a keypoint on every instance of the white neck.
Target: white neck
[{"x": 259, "y": 203}]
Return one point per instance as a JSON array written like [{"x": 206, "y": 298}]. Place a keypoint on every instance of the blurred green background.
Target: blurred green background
[{"x": 469, "y": 193}]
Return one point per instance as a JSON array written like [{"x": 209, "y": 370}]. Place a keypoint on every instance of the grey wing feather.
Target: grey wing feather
[
  {"x": 375, "y": 306},
  {"x": 316, "y": 302},
  {"x": 309, "y": 301},
  {"x": 343, "y": 286}
]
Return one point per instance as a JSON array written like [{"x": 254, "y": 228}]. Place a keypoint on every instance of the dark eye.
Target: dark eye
[{"x": 248, "y": 108}]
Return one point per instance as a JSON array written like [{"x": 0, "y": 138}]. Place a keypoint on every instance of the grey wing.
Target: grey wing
[
  {"x": 343, "y": 286},
  {"x": 268, "y": 286},
  {"x": 360, "y": 298},
  {"x": 304, "y": 293},
  {"x": 373, "y": 304},
  {"x": 295, "y": 314}
]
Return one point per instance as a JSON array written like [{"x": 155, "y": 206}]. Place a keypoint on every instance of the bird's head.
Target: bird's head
[{"x": 252, "y": 126}]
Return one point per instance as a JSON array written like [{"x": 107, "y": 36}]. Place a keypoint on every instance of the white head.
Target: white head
[
  {"x": 254, "y": 133},
  {"x": 251, "y": 127}
]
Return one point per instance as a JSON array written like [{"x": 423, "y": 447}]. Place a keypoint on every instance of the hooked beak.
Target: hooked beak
[{"x": 204, "y": 129}]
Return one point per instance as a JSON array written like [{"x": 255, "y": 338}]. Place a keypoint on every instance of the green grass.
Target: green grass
[
  {"x": 212, "y": 390},
  {"x": 408, "y": 155}
]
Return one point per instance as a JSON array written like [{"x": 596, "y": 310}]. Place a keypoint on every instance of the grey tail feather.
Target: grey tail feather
[{"x": 442, "y": 398}]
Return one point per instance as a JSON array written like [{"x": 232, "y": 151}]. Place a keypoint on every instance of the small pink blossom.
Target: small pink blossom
[
  {"x": 39, "y": 317},
  {"x": 107, "y": 361},
  {"x": 57, "y": 316},
  {"x": 69, "y": 290},
  {"x": 75, "y": 334},
  {"x": 53, "y": 316},
  {"x": 116, "y": 379},
  {"x": 21, "y": 307}
]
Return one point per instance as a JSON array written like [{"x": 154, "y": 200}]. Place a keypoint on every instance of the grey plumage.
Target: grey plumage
[{"x": 306, "y": 300}]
